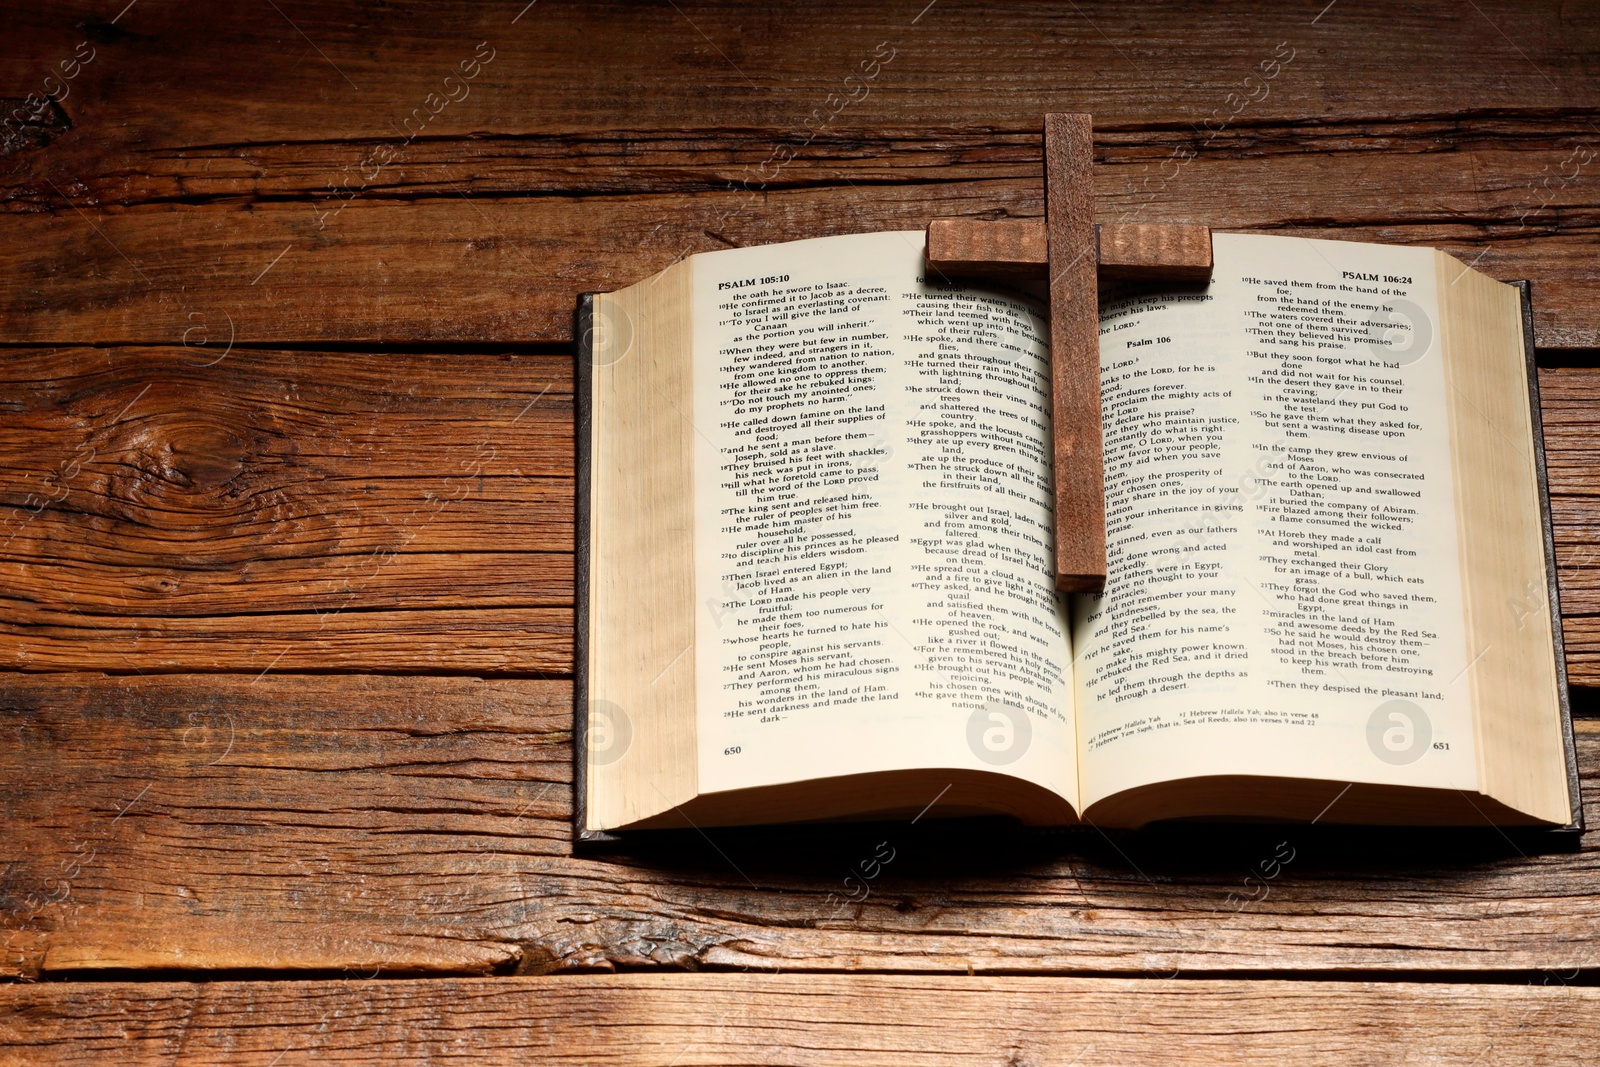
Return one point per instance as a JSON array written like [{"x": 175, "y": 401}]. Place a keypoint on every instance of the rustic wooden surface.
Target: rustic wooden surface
[
  {"x": 845, "y": 1020},
  {"x": 364, "y": 824},
  {"x": 286, "y": 513}
]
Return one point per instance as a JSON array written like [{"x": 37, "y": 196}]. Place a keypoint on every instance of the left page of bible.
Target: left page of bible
[{"x": 873, "y": 521}]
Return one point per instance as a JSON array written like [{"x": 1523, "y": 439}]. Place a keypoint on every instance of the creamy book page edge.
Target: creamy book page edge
[
  {"x": 640, "y": 750},
  {"x": 1500, "y": 517}
]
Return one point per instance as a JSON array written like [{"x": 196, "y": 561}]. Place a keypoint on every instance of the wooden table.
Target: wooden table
[{"x": 285, "y": 547}]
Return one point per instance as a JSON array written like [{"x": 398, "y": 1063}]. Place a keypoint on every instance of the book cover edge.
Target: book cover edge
[
  {"x": 1569, "y": 740},
  {"x": 582, "y": 410}
]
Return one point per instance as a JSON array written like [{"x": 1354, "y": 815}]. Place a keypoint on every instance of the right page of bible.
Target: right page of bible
[{"x": 1284, "y": 594}]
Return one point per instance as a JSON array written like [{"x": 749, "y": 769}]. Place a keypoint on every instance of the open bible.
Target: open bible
[{"x": 815, "y": 545}]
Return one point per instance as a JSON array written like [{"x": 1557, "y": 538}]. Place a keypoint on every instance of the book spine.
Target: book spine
[
  {"x": 1554, "y": 597},
  {"x": 582, "y": 399},
  {"x": 583, "y": 366}
]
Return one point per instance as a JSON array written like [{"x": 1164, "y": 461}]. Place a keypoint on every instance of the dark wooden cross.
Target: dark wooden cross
[{"x": 1073, "y": 253}]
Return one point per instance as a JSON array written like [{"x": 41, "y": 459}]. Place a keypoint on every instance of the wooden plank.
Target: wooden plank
[
  {"x": 815, "y": 1019},
  {"x": 293, "y": 116},
  {"x": 1530, "y": 171},
  {"x": 335, "y": 73},
  {"x": 214, "y": 166},
  {"x": 421, "y": 826},
  {"x": 449, "y": 270},
  {"x": 1080, "y": 492},
  {"x": 1568, "y": 396},
  {"x": 203, "y": 509},
  {"x": 309, "y": 824}
]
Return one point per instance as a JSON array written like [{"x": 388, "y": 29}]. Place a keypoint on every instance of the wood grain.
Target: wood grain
[
  {"x": 213, "y": 176},
  {"x": 253, "y": 204},
  {"x": 1080, "y": 492},
  {"x": 1131, "y": 251},
  {"x": 1477, "y": 166},
  {"x": 816, "y": 1019},
  {"x": 330, "y": 76},
  {"x": 436, "y": 257},
  {"x": 394, "y": 825},
  {"x": 975, "y": 248},
  {"x": 182, "y": 508},
  {"x": 1150, "y": 251}
]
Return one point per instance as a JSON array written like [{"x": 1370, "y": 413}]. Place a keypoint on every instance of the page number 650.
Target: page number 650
[{"x": 732, "y": 750}]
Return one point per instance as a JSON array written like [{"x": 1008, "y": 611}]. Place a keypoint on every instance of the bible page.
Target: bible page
[
  {"x": 1284, "y": 593},
  {"x": 873, "y": 521}
]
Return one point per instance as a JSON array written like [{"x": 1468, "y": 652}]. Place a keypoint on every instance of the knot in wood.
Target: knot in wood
[{"x": 188, "y": 451}]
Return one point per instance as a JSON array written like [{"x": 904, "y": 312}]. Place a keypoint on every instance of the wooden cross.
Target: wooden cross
[{"x": 1073, "y": 253}]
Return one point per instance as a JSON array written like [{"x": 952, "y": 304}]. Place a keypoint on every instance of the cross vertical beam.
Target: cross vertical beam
[
  {"x": 1070, "y": 252},
  {"x": 1080, "y": 506}
]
